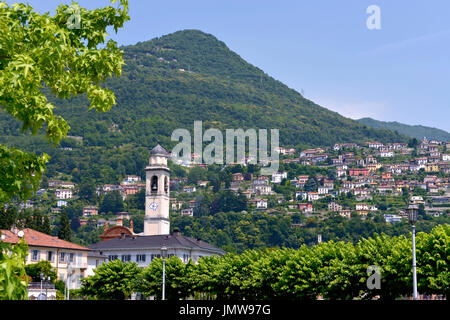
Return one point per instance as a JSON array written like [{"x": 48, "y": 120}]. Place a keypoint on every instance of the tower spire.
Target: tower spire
[{"x": 156, "y": 220}]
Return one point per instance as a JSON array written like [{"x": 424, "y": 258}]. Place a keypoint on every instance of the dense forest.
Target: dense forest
[{"x": 416, "y": 131}]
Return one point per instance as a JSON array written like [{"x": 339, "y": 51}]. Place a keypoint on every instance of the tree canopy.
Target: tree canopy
[{"x": 40, "y": 55}]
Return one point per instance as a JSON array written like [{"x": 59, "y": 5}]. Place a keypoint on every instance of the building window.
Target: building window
[
  {"x": 35, "y": 255},
  {"x": 140, "y": 258},
  {"x": 126, "y": 257},
  {"x": 50, "y": 256},
  {"x": 71, "y": 255},
  {"x": 113, "y": 257},
  {"x": 154, "y": 256},
  {"x": 62, "y": 256}
]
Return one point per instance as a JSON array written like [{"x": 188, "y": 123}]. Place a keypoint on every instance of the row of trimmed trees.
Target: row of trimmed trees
[{"x": 332, "y": 270}]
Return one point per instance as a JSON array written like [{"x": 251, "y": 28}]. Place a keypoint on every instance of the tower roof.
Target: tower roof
[{"x": 159, "y": 151}]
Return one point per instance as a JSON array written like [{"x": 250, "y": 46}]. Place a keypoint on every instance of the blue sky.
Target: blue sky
[{"x": 398, "y": 73}]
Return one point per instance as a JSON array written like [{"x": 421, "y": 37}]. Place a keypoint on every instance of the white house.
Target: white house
[
  {"x": 301, "y": 195},
  {"x": 313, "y": 196},
  {"x": 386, "y": 154},
  {"x": 322, "y": 190},
  {"x": 261, "y": 204},
  {"x": 278, "y": 177},
  {"x": 63, "y": 193},
  {"x": 61, "y": 203},
  {"x": 392, "y": 218}
]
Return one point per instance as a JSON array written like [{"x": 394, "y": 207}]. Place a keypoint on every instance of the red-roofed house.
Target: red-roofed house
[
  {"x": 358, "y": 172},
  {"x": 65, "y": 257}
]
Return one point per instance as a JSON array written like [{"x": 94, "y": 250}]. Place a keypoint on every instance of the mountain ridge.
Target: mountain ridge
[
  {"x": 170, "y": 81},
  {"x": 414, "y": 131}
]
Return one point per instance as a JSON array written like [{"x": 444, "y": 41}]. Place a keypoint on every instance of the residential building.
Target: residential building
[
  {"x": 189, "y": 189},
  {"x": 392, "y": 218},
  {"x": 313, "y": 196},
  {"x": 322, "y": 190},
  {"x": 359, "y": 172},
  {"x": 278, "y": 177},
  {"x": 261, "y": 204},
  {"x": 63, "y": 194},
  {"x": 345, "y": 213},
  {"x": 187, "y": 212},
  {"x": 306, "y": 207},
  {"x": 90, "y": 211},
  {"x": 334, "y": 207},
  {"x": 69, "y": 260}
]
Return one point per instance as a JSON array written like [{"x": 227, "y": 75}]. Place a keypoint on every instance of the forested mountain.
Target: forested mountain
[
  {"x": 169, "y": 82},
  {"x": 416, "y": 131}
]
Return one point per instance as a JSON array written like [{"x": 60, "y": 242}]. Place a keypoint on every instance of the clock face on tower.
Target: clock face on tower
[{"x": 153, "y": 206}]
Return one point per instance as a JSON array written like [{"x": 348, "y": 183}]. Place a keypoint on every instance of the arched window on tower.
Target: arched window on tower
[
  {"x": 166, "y": 185},
  {"x": 154, "y": 184}
]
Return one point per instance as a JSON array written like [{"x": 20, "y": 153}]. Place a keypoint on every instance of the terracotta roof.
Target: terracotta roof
[{"x": 39, "y": 239}]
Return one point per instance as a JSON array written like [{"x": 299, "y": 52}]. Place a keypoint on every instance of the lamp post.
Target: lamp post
[
  {"x": 47, "y": 281},
  {"x": 412, "y": 217},
  {"x": 163, "y": 256},
  {"x": 40, "y": 293}
]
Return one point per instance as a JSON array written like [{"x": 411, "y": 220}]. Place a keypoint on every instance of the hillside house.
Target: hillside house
[
  {"x": 62, "y": 194},
  {"x": 355, "y": 172},
  {"x": 187, "y": 212},
  {"x": 90, "y": 211},
  {"x": 313, "y": 196},
  {"x": 306, "y": 207},
  {"x": 189, "y": 189},
  {"x": 334, "y": 207}
]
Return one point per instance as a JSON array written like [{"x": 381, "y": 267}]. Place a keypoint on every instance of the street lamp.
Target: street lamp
[
  {"x": 40, "y": 293},
  {"x": 47, "y": 281},
  {"x": 163, "y": 255},
  {"x": 412, "y": 211}
]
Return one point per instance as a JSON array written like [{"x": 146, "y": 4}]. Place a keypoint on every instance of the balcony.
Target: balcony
[
  {"x": 37, "y": 285},
  {"x": 78, "y": 266}
]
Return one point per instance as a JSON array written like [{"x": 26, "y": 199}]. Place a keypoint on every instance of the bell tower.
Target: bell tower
[{"x": 156, "y": 220}]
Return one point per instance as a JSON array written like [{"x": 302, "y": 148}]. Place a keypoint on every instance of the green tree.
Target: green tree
[
  {"x": 196, "y": 174},
  {"x": 40, "y": 51},
  {"x": 114, "y": 280},
  {"x": 13, "y": 277},
  {"x": 34, "y": 271},
  {"x": 64, "y": 233},
  {"x": 112, "y": 201},
  {"x": 41, "y": 54},
  {"x": 177, "y": 281},
  {"x": 88, "y": 191},
  {"x": 46, "y": 226},
  {"x": 311, "y": 184}
]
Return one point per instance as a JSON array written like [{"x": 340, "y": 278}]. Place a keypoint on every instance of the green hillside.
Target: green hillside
[
  {"x": 416, "y": 131},
  {"x": 169, "y": 82}
]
